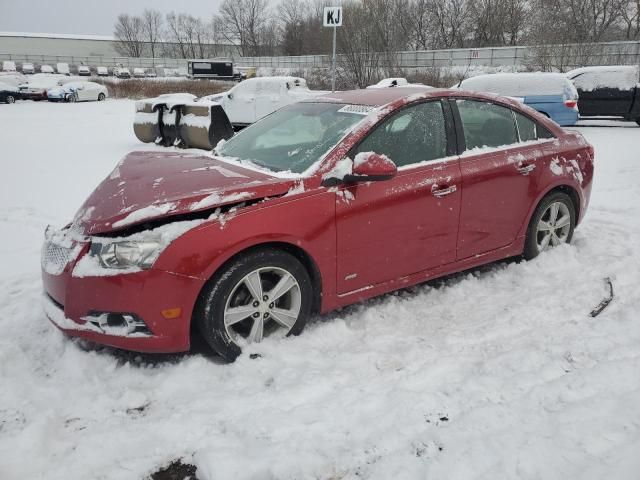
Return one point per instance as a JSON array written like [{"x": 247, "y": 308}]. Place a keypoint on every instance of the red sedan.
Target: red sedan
[{"x": 319, "y": 205}]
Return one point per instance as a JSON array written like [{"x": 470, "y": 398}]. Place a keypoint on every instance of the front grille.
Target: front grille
[{"x": 54, "y": 258}]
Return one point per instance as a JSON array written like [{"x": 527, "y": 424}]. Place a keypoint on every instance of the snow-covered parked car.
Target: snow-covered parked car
[
  {"x": 611, "y": 91},
  {"x": 397, "y": 82},
  {"x": 9, "y": 93},
  {"x": 122, "y": 72},
  {"x": 28, "y": 68},
  {"x": 46, "y": 69},
  {"x": 102, "y": 71},
  {"x": 139, "y": 72},
  {"x": 84, "y": 71},
  {"x": 63, "y": 68},
  {"x": 78, "y": 92},
  {"x": 549, "y": 93},
  {"x": 252, "y": 99},
  {"x": 9, "y": 66},
  {"x": 37, "y": 86},
  {"x": 327, "y": 202},
  {"x": 14, "y": 79}
]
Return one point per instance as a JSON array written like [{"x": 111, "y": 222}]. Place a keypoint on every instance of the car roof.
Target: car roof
[{"x": 379, "y": 96}]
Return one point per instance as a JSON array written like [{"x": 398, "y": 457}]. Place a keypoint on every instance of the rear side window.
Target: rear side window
[
  {"x": 414, "y": 134},
  {"x": 486, "y": 124},
  {"x": 530, "y": 130},
  {"x": 526, "y": 128}
]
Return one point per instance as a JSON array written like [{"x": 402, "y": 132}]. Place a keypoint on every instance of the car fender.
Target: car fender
[{"x": 306, "y": 222}]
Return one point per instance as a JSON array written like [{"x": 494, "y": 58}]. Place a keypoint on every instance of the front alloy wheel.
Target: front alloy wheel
[
  {"x": 265, "y": 300},
  {"x": 260, "y": 294}
]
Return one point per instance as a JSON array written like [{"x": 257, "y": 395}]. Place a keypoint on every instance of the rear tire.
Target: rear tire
[
  {"x": 552, "y": 224},
  {"x": 11, "y": 99},
  {"x": 229, "y": 312},
  {"x": 71, "y": 98},
  {"x": 101, "y": 97}
]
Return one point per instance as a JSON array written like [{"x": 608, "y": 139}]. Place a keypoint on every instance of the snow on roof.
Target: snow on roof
[
  {"x": 622, "y": 77},
  {"x": 518, "y": 84}
]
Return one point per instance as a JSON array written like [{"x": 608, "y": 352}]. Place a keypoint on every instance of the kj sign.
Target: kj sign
[{"x": 332, "y": 16}]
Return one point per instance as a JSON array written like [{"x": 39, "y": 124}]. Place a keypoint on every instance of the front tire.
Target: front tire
[
  {"x": 101, "y": 97},
  {"x": 71, "y": 98},
  {"x": 552, "y": 224},
  {"x": 11, "y": 99},
  {"x": 265, "y": 292}
]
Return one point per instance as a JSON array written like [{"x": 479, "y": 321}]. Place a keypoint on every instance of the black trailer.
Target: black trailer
[{"x": 213, "y": 69}]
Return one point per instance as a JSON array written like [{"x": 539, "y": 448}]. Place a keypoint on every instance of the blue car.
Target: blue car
[{"x": 549, "y": 93}]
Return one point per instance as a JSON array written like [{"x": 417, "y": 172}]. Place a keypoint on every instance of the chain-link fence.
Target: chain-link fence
[{"x": 544, "y": 57}]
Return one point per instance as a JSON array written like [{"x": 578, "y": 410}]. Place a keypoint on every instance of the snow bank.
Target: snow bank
[{"x": 497, "y": 373}]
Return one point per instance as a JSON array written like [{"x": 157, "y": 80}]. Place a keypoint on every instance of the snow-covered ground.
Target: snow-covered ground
[{"x": 495, "y": 374}]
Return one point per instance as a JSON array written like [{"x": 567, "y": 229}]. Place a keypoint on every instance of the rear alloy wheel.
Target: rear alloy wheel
[
  {"x": 265, "y": 293},
  {"x": 101, "y": 97},
  {"x": 552, "y": 224},
  {"x": 11, "y": 99}
]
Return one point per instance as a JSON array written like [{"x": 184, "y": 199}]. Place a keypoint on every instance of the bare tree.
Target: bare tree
[
  {"x": 152, "y": 30},
  {"x": 245, "y": 22},
  {"x": 129, "y": 37},
  {"x": 631, "y": 20}
]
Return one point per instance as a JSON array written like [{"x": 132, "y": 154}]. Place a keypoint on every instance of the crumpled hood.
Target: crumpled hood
[{"x": 148, "y": 186}]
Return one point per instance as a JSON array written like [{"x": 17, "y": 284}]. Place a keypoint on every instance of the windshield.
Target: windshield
[{"x": 293, "y": 138}]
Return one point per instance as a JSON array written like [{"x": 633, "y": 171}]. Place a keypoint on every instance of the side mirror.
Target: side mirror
[{"x": 371, "y": 167}]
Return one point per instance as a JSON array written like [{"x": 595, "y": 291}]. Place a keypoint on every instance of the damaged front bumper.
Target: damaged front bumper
[{"x": 119, "y": 310}]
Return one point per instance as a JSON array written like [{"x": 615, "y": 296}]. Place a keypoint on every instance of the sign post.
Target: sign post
[{"x": 333, "y": 18}]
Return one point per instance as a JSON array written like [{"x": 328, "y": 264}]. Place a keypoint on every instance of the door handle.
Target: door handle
[
  {"x": 442, "y": 192},
  {"x": 525, "y": 169}
]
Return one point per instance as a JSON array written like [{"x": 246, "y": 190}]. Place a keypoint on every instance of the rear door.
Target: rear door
[
  {"x": 500, "y": 175},
  {"x": 393, "y": 228}
]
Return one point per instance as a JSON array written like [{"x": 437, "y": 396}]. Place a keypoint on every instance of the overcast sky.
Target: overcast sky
[{"x": 93, "y": 17}]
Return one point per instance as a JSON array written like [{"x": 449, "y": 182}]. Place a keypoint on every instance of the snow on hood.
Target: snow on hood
[{"x": 148, "y": 186}]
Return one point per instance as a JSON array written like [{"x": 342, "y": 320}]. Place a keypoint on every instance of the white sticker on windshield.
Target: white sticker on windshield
[{"x": 358, "y": 109}]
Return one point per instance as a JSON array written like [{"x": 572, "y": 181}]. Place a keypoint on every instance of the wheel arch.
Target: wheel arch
[
  {"x": 296, "y": 251},
  {"x": 571, "y": 191}
]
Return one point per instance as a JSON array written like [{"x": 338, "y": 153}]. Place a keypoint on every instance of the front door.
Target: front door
[{"x": 390, "y": 229}]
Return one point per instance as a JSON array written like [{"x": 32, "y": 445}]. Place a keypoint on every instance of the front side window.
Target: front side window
[
  {"x": 414, "y": 134},
  {"x": 486, "y": 124}
]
